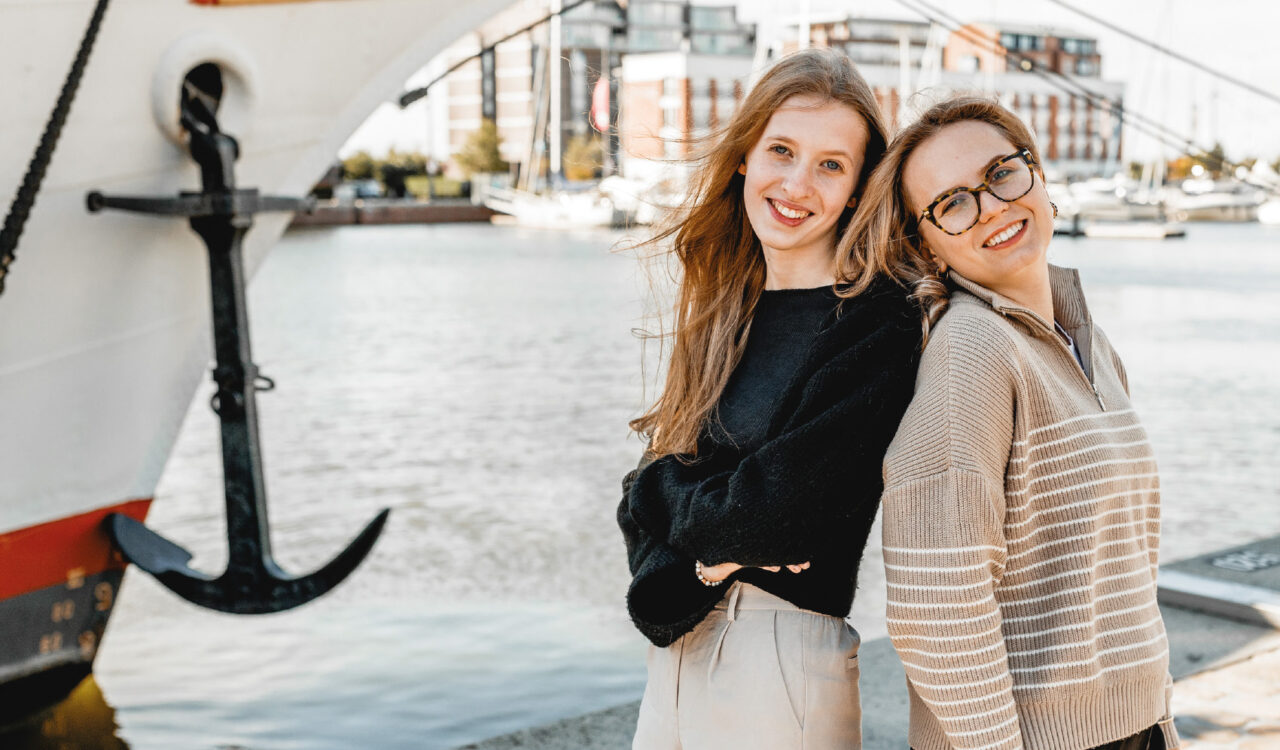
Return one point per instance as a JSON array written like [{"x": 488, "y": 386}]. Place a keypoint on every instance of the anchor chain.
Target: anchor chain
[{"x": 25, "y": 200}]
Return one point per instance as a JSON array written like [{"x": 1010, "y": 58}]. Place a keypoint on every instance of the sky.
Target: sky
[{"x": 1238, "y": 37}]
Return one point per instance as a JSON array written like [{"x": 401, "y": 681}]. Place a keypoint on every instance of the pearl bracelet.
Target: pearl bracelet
[{"x": 697, "y": 570}]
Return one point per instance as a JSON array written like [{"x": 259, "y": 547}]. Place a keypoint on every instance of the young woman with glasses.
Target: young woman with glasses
[
  {"x": 745, "y": 530},
  {"x": 1021, "y": 502}
]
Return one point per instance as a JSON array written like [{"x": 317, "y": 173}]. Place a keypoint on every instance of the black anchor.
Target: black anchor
[{"x": 253, "y": 583}]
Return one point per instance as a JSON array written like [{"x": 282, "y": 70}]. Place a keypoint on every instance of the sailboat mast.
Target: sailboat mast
[{"x": 554, "y": 59}]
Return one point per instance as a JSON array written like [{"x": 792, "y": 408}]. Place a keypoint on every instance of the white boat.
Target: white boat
[
  {"x": 1269, "y": 212},
  {"x": 1134, "y": 230},
  {"x": 1203, "y": 199},
  {"x": 554, "y": 210},
  {"x": 107, "y": 320}
]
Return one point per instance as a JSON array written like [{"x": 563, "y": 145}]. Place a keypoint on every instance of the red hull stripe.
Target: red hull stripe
[{"x": 61, "y": 552}]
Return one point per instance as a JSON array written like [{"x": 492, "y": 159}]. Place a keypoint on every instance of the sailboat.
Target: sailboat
[
  {"x": 540, "y": 201},
  {"x": 107, "y": 319}
]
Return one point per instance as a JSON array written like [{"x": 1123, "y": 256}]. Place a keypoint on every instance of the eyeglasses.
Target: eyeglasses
[{"x": 957, "y": 210}]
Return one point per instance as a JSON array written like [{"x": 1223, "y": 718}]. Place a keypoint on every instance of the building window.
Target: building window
[
  {"x": 653, "y": 40},
  {"x": 1086, "y": 67},
  {"x": 712, "y": 19},
  {"x": 656, "y": 14}
]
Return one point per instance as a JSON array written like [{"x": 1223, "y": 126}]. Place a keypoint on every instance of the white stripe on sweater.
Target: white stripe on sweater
[
  {"x": 1004, "y": 675},
  {"x": 1116, "y": 649},
  {"x": 1076, "y": 504},
  {"x": 1010, "y": 704},
  {"x": 987, "y": 697},
  {"x": 1094, "y": 585},
  {"x": 988, "y": 729},
  {"x": 921, "y": 636},
  {"x": 1088, "y": 642},
  {"x": 1086, "y": 605},
  {"x": 1072, "y": 572},
  {"x": 1091, "y": 621},
  {"x": 1074, "y": 487},
  {"x": 1076, "y": 436},
  {"x": 1072, "y": 454},
  {"x": 938, "y": 570},
  {"x": 1087, "y": 519},
  {"x": 1073, "y": 420},
  {"x": 940, "y": 586},
  {"x": 1094, "y": 465},
  {"x": 1088, "y": 535},
  {"x": 984, "y": 600},
  {"x": 971, "y": 548},
  {"x": 948, "y": 654},
  {"x": 952, "y": 670},
  {"x": 1126, "y": 665},
  {"x": 942, "y": 622}
]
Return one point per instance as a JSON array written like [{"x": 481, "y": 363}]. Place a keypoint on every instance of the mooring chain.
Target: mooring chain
[{"x": 25, "y": 200}]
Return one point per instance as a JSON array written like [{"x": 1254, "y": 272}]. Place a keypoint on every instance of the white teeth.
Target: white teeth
[
  {"x": 1005, "y": 235},
  {"x": 787, "y": 212}
]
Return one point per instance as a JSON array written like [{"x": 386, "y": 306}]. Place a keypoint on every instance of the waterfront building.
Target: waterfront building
[
  {"x": 685, "y": 71},
  {"x": 507, "y": 84},
  {"x": 911, "y": 64},
  {"x": 671, "y": 99},
  {"x": 697, "y": 58}
]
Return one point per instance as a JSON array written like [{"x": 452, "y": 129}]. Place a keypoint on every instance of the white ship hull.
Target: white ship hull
[{"x": 106, "y": 331}]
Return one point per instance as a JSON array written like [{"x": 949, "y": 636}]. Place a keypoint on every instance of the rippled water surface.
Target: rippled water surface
[{"x": 477, "y": 380}]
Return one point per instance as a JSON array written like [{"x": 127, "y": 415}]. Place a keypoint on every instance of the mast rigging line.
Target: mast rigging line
[
  {"x": 1170, "y": 52},
  {"x": 25, "y": 199},
  {"x": 409, "y": 97},
  {"x": 1143, "y": 124}
]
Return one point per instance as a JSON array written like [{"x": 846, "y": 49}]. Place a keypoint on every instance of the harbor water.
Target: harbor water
[{"x": 477, "y": 380}]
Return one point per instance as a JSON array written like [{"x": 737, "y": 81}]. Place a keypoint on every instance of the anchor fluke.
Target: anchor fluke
[{"x": 253, "y": 585}]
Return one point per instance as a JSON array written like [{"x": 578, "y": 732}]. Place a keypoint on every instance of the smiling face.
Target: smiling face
[
  {"x": 801, "y": 174},
  {"x": 1006, "y": 250}
]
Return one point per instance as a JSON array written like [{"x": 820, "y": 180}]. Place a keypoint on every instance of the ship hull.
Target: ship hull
[
  {"x": 107, "y": 321},
  {"x": 60, "y": 585}
]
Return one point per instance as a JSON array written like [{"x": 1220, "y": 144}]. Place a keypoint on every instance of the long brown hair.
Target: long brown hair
[
  {"x": 884, "y": 237},
  {"x": 722, "y": 267}
]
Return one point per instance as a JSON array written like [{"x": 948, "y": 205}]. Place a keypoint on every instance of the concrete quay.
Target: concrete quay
[{"x": 1226, "y": 694}]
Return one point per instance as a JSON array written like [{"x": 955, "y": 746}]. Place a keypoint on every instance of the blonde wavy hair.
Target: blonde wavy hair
[
  {"x": 884, "y": 236},
  {"x": 721, "y": 264}
]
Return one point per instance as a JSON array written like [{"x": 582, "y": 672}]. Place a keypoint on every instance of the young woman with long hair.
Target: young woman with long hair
[
  {"x": 746, "y": 522},
  {"x": 1021, "y": 504}
]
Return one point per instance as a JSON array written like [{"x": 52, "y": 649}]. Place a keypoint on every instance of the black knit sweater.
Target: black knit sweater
[{"x": 808, "y": 491}]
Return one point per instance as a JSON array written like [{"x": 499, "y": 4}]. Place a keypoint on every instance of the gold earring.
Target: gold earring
[
  {"x": 939, "y": 266},
  {"x": 1055, "y": 209}
]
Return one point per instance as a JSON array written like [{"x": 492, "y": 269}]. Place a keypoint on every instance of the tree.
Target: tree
[
  {"x": 584, "y": 158},
  {"x": 481, "y": 151},
  {"x": 359, "y": 166},
  {"x": 409, "y": 162},
  {"x": 1215, "y": 161}
]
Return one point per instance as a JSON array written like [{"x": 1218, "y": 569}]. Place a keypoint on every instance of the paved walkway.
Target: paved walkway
[
  {"x": 1226, "y": 695},
  {"x": 1236, "y": 707}
]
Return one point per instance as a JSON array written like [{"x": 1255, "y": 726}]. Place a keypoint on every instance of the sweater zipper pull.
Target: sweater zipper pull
[{"x": 1098, "y": 396}]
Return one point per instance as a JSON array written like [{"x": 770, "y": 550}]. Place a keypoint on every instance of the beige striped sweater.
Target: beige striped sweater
[{"x": 1021, "y": 530}]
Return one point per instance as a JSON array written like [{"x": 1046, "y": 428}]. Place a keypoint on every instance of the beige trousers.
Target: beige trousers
[{"x": 757, "y": 673}]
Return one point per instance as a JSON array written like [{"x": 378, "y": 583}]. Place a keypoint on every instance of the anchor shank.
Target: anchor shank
[{"x": 235, "y": 373}]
